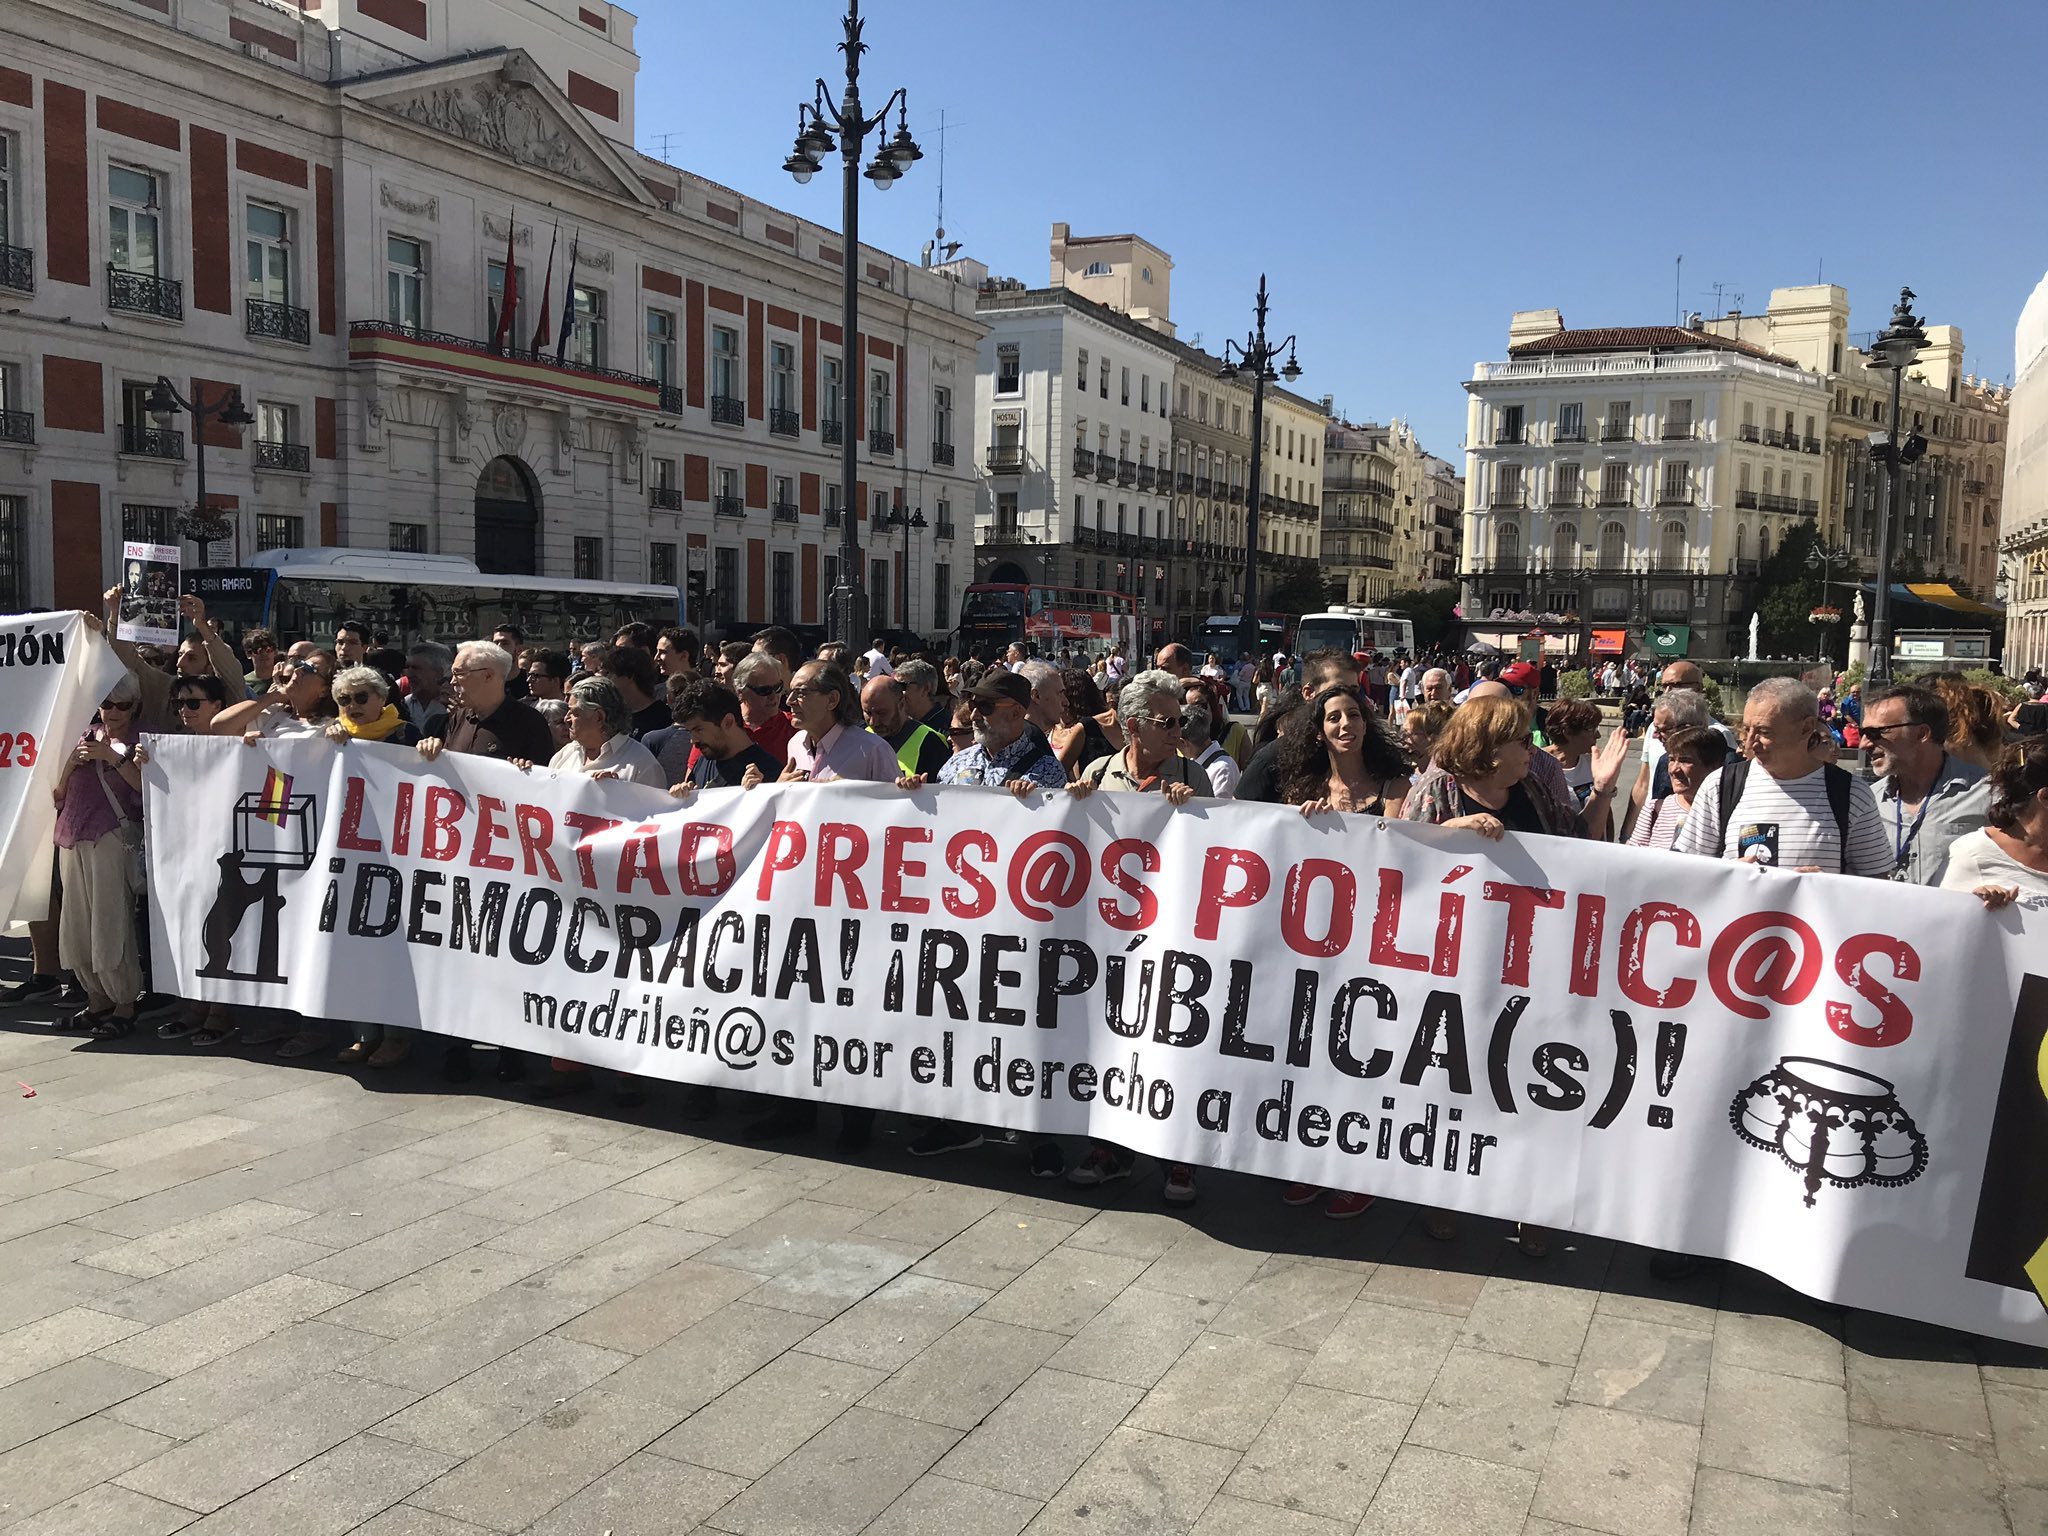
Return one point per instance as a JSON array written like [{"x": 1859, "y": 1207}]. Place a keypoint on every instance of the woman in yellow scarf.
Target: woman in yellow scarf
[{"x": 363, "y": 695}]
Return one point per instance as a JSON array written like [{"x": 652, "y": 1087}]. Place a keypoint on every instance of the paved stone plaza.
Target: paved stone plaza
[{"x": 255, "y": 1296}]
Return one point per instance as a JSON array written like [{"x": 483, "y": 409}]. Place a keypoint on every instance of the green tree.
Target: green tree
[
  {"x": 1786, "y": 591},
  {"x": 1299, "y": 592},
  {"x": 1429, "y": 610}
]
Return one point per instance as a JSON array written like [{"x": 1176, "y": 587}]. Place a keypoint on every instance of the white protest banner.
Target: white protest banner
[
  {"x": 1833, "y": 1081},
  {"x": 149, "y": 594},
  {"x": 54, "y": 670}
]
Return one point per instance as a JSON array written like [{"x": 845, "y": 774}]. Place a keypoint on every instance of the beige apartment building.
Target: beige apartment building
[
  {"x": 1391, "y": 512},
  {"x": 2023, "y": 538},
  {"x": 1950, "y": 502}
]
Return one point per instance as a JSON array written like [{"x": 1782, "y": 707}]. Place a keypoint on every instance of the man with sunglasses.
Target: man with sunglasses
[
  {"x": 1925, "y": 798},
  {"x": 1008, "y": 751},
  {"x": 759, "y": 678}
]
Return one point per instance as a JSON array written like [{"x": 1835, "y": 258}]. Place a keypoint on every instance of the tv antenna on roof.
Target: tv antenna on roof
[{"x": 944, "y": 249}]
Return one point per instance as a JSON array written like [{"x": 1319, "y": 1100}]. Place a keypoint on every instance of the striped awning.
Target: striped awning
[{"x": 1942, "y": 595}]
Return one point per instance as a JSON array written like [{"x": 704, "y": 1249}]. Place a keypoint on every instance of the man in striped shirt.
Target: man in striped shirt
[{"x": 1788, "y": 806}]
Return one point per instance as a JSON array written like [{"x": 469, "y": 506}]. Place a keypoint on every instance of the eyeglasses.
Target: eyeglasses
[
  {"x": 115, "y": 704},
  {"x": 1160, "y": 722},
  {"x": 308, "y": 666},
  {"x": 769, "y": 690},
  {"x": 1877, "y": 733},
  {"x": 353, "y": 700},
  {"x": 183, "y": 704},
  {"x": 797, "y": 690},
  {"x": 957, "y": 731}
]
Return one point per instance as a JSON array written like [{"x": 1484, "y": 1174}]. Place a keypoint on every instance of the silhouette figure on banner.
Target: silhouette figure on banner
[{"x": 274, "y": 832}]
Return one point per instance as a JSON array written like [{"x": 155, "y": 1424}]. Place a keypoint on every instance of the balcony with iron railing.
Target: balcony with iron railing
[
  {"x": 1749, "y": 432},
  {"x": 276, "y": 322},
  {"x": 882, "y": 442},
  {"x": 152, "y": 442},
  {"x": 672, "y": 399},
  {"x": 783, "y": 512},
  {"x": 1005, "y": 458},
  {"x": 943, "y": 529},
  {"x": 831, "y": 517},
  {"x": 783, "y": 422},
  {"x": 1183, "y": 481},
  {"x": 1773, "y": 502},
  {"x": 1508, "y": 437},
  {"x": 728, "y": 506},
  {"x": 665, "y": 498},
  {"x": 1809, "y": 445},
  {"x": 1202, "y": 484},
  {"x": 829, "y": 432},
  {"x": 17, "y": 268},
  {"x": 1126, "y": 472},
  {"x": 1566, "y": 434},
  {"x": 377, "y": 342},
  {"x": 1508, "y": 499},
  {"x": 1678, "y": 432},
  {"x": 1084, "y": 461},
  {"x": 1675, "y": 496},
  {"x": 1617, "y": 496},
  {"x": 18, "y": 428},
  {"x": 144, "y": 293},
  {"x": 729, "y": 410},
  {"x": 1105, "y": 466},
  {"x": 295, "y": 457},
  {"x": 1976, "y": 487},
  {"x": 1145, "y": 481},
  {"x": 1617, "y": 431},
  {"x": 942, "y": 453}
]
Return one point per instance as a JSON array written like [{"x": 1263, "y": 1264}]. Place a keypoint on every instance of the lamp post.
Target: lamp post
[
  {"x": 848, "y": 601},
  {"x": 202, "y": 525},
  {"x": 1895, "y": 348},
  {"x": 910, "y": 522},
  {"x": 1256, "y": 357},
  {"x": 1822, "y": 556}
]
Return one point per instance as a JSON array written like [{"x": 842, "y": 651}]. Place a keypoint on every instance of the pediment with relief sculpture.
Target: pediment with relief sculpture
[{"x": 503, "y": 104}]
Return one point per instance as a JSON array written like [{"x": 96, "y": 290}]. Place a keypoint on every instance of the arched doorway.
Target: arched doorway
[
  {"x": 507, "y": 519},
  {"x": 1009, "y": 571}
]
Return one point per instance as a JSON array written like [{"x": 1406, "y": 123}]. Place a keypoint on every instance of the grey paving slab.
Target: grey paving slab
[
  {"x": 245, "y": 1453},
  {"x": 127, "y": 1151},
  {"x": 1643, "y": 1367},
  {"x": 190, "y": 1341},
  {"x": 63, "y": 1394},
  {"x": 68, "y": 1461},
  {"x": 698, "y": 1172},
  {"x": 419, "y": 1298},
  {"x": 403, "y": 1251},
  {"x": 381, "y": 1206},
  {"x": 932, "y": 1219},
  {"x": 465, "y": 1339},
  {"x": 1784, "y": 1346},
  {"x": 334, "y": 1492},
  {"x": 237, "y": 1383},
  {"x": 1384, "y": 1351},
  {"x": 1137, "y": 1338},
  {"x": 661, "y": 1306},
  {"x": 837, "y": 1275},
  {"x": 107, "y": 1510},
  {"x": 1295, "y": 1304},
  {"x": 896, "y": 1322},
  {"x": 753, "y": 1425},
  {"x": 1528, "y": 1318},
  {"x": 1322, "y": 1451},
  {"x": 58, "y": 1337},
  {"x": 488, "y": 1404},
  {"x": 1901, "y": 1481},
  {"x": 1500, "y": 1408},
  {"x": 574, "y": 1226},
  {"x": 997, "y": 1249},
  {"x": 959, "y": 1380},
  {"x": 1728, "y": 1503},
  {"x": 187, "y": 1242},
  {"x": 1231, "y": 1516},
  {"x": 1063, "y": 1291},
  {"x": 233, "y": 1271},
  {"x": 1935, "y": 1397},
  {"x": 2026, "y": 1510},
  {"x": 1221, "y": 1391},
  {"x": 841, "y": 1480},
  {"x": 936, "y": 1505},
  {"x": 1039, "y": 1436},
  {"x": 532, "y": 1470},
  {"x": 1784, "y": 1427},
  {"x": 2019, "y": 1417},
  {"x": 1130, "y": 1234},
  {"x": 18, "y": 1218},
  {"x": 873, "y": 1189},
  {"x": 37, "y": 1177},
  {"x": 1425, "y": 1487},
  {"x": 703, "y": 1360},
  {"x": 644, "y": 1492},
  {"x": 1137, "y": 1484},
  {"x": 784, "y": 1237},
  {"x": 1624, "y": 1473},
  {"x": 1200, "y": 1266},
  {"x": 410, "y": 1520},
  {"x": 1436, "y": 1277},
  {"x": 563, "y": 1181}
]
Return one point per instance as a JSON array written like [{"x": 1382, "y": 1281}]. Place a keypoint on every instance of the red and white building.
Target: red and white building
[{"x": 316, "y": 206}]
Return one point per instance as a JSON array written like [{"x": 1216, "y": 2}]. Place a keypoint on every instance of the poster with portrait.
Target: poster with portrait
[{"x": 149, "y": 594}]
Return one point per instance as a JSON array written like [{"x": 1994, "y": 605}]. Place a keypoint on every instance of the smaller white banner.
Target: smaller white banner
[{"x": 149, "y": 593}]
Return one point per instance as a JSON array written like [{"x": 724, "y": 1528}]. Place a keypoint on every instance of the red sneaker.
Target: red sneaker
[
  {"x": 1346, "y": 1204},
  {"x": 1300, "y": 1194}
]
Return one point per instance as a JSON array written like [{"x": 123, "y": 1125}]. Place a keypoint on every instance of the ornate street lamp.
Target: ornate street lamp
[
  {"x": 1256, "y": 357},
  {"x": 847, "y": 610},
  {"x": 1895, "y": 348},
  {"x": 203, "y": 524}
]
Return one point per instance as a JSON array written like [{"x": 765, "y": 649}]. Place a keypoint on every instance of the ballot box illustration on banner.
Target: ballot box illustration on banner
[{"x": 274, "y": 832}]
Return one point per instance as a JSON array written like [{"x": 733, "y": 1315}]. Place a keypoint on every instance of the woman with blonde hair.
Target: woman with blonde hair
[{"x": 1976, "y": 731}]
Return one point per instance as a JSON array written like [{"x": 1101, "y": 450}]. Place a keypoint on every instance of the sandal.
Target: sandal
[
  {"x": 1533, "y": 1241},
  {"x": 182, "y": 1027},
  {"x": 213, "y": 1035},
  {"x": 304, "y": 1043},
  {"x": 78, "y": 1023},
  {"x": 111, "y": 1026}
]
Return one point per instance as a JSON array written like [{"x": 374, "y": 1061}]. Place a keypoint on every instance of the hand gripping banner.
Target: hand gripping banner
[{"x": 1838, "y": 1082}]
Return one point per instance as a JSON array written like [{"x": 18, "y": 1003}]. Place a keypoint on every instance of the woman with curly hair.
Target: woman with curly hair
[
  {"x": 1976, "y": 732},
  {"x": 1341, "y": 758},
  {"x": 2009, "y": 857},
  {"x": 1346, "y": 760}
]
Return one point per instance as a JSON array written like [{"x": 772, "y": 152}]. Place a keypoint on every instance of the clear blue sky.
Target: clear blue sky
[{"x": 1408, "y": 175}]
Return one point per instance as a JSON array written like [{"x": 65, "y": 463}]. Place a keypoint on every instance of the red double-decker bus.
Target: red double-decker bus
[{"x": 1050, "y": 620}]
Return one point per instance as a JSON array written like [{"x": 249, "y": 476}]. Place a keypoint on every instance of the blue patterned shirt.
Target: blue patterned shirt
[{"x": 975, "y": 765}]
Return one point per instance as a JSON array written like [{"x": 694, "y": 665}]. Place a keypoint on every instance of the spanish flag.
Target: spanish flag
[{"x": 277, "y": 794}]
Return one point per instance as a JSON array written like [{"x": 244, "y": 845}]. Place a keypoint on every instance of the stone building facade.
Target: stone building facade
[{"x": 317, "y": 207}]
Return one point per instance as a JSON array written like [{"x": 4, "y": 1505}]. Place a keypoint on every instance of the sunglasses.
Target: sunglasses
[
  {"x": 113, "y": 704},
  {"x": 1160, "y": 722},
  {"x": 308, "y": 666},
  {"x": 185, "y": 704},
  {"x": 1877, "y": 733},
  {"x": 769, "y": 690},
  {"x": 958, "y": 731},
  {"x": 352, "y": 700}
]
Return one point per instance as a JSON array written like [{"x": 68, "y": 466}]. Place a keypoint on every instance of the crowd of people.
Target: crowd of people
[{"x": 1957, "y": 795}]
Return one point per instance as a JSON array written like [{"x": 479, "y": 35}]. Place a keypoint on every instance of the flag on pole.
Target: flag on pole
[
  {"x": 568, "y": 306},
  {"x": 508, "y": 301},
  {"x": 541, "y": 331}
]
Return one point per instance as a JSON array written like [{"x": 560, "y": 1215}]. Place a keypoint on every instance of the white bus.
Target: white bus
[
  {"x": 301, "y": 594},
  {"x": 1355, "y": 631}
]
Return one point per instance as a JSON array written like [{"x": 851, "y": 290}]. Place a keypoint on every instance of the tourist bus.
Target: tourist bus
[
  {"x": 303, "y": 593},
  {"x": 1221, "y": 635},
  {"x": 1050, "y": 620},
  {"x": 1355, "y": 631}
]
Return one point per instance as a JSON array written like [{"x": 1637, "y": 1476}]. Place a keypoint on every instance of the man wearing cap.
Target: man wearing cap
[{"x": 1009, "y": 751}]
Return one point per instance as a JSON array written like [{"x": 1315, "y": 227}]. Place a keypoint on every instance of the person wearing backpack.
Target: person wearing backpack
[{"x": 1784, "y": 804}]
